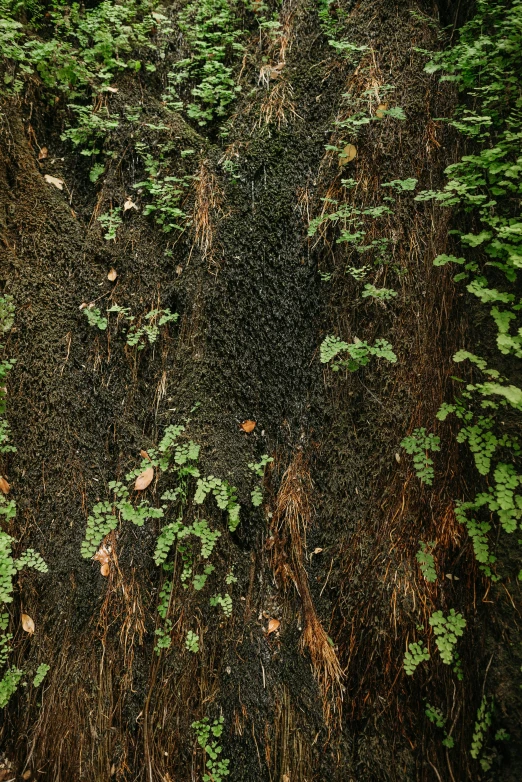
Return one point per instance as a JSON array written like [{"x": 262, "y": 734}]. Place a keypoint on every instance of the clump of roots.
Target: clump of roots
[
  {"x": 290, "y": 521},
  {"x": 278, "y": 107},
  {"x": 208, "y": 201}
]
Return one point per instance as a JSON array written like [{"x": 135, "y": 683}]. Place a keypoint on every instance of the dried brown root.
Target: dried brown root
[
  {"x": 290, "y": 522},
  {"x": 209, "y": 197},
  {"x": 278, "y": 106}
]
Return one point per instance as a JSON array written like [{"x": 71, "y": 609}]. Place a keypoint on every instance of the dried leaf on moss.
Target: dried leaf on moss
[
  {"x": 27, "y": 624},
  {"x": 52, "y": 180},
  {"x": 144, "y": 479}
]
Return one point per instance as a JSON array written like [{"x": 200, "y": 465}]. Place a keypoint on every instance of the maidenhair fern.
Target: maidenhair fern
[
  {"x": 356, "y": 354},
  {"x": 415, "y": 655},
  {"x": 418, "y": 445},
  {"x": 486, "y": 186},
  {"x": 447, "y": 630},
  {"x": 193, "y": 540},
  {"x": 426, "y": 561}
]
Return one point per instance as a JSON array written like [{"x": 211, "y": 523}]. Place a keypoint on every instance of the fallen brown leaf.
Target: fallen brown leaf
[
  {"x": 381, "y": 108},
  {"x": 273, "y": 626},
  {"x": 348, "y": 154},
  {"x": 27, "y": 774},
  {"x": 52, "y": 180},
  {"x": 317, "y": 551},
  {"x": 129, "y": 204},
  {"x": 4, "y": 486},
  {"x": 43, "y": 153},
  {"x": 27, "y": 624},
  {"x": 112, "y": 274},
  {"x": 179, "y": 269},
  {"x": 248, "y": 426},
  {"x": 101, "y": 556},
  {"x": 105, "y": 569},
  {"x": 144, "y": 479},
  {"x": 144, "y": 454}
]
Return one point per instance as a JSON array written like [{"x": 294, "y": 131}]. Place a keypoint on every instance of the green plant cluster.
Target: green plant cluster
[
  {"x": 207, "y": 734},
  {"x": 382, "y": 294},
  {"x": 482, "y": 408},
  {"x": 9, "y": 683},
  {"x": 76, "y": 52},
  {"x": 111, "y": 221},
  {"x": 194, "y": 541},
  {"x": 426, "y": 561},
  {"x": 164, "y": 190},
  {"x": 447, "y": 629},
  {"x": 354, "y": 224},
  {"x": 352, "y": 124},
  {"x": 480, "y": 733},
  {"x": 486, "y": 186},
  {"x": 259, "y": 470},
  {"x": 415, "y": 655},
  {"x": 9, "y": 567},
  {"x": 436, "y": 716},
  {"x": 330, "y": 18},
  {"x": 192, "y": 642},
  {"x": 41, "y": 673},
  {"x": 77, "y": 47},
  {"x": 212, "y": 35},
  {"x": 138, "y": 336},
  {"x": 224, "y": 494},
  {"x": 225, "y": 601},
  {"x": 418, "y": 445},
  {"x": 359, "y": 353}
]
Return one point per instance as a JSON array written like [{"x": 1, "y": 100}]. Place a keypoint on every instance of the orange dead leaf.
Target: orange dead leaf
[
  {"x": 273, "y": 626},
  {"x": 112, "y": 274},
  {"x": 144, "y": 454},
  {"x": 381, "y": 108},
  {"x": 4, "y": 486},
  {"x": 27, "y": 624},
  {"x": 27, "y": 774},
  {"x": 43, "y": 153},
  {"x": 144, "y": 479},
  {"x": 129, "y": 204},
  {"x": 248, "y": 426},
  {"x": 101, "y": 556},
  {"x": 52, "y": 180}
]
